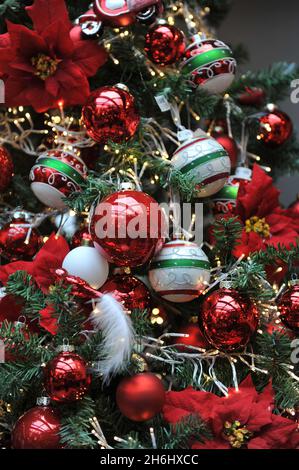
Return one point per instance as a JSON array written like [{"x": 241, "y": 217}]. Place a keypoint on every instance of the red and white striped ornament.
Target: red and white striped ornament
[
  {"x": 180, "y": 271},
  {"x": 205, "y": 161}
]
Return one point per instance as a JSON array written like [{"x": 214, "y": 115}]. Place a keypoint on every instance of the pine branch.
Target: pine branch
[
  {"x": 226, "y": 233},
  {"x": 93, "y": 189},
  {"x": 75, "y": 428}
]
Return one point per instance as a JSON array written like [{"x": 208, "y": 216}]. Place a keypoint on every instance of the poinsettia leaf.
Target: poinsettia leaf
[{"x": 45, "y": 12}]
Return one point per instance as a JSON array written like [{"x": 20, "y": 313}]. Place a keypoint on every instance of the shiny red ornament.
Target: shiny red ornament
[
  {"x": 18, "y": 241},
  {"x": 252, "y": 97},
  {"x": 38, "y": 428},
  {"x": 275, "y": 128},
  {"x": 195, "y": 338},
  {"x": 140, "y": 397},
  {"x": 66, "y": 378},
  {"x": 81, "y": 237},
  {"x": 228, "y": 319},
  {"x": 6, "y": 166},
  {"x": 128, "y": 289},
  {"x": 127, "y": 227},
  {"x": 164, "y": 44},
  {"x": 110, "y": 114},
  {"x": 229, "y": 144},
  {"x": 288, "y": 306}
]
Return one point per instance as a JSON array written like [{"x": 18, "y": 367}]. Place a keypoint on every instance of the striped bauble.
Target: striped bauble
[
  {"x": 209, "y": 63},
  {"x": 205, "y": 162},
  {"x": 180, "y": 271},
  {"x": 55, "y": 175},
  {"x": 225, "y": 200}
]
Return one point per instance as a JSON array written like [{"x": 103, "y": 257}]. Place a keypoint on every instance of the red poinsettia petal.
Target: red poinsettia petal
[
  {"x": 58, "y": 40},
  {"x": 281, "y": 434},
  {"x": 215, "y": 444},
  {"x": 6, "y": 52},
  {"x": 10, "y": 308},
  {"x": 45, "y": 12},
  {"x": 28, "y": 43},
  {"x": 48, "y": 321},
  {"x": 89, "y": 56},
  {"x": 8, "y": 269},
  {"x": 249, "y": 243}
]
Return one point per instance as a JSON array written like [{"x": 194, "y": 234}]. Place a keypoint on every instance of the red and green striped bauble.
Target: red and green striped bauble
[
  {"x": 56, "y": 174},
  {"x": 180, "y": 272},
  {"x": 205, "y": 162},
  {"x": 209, "y": 63}
]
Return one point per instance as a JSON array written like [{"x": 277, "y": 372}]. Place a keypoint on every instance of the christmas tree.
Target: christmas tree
[{"x": 149, "y": 292}]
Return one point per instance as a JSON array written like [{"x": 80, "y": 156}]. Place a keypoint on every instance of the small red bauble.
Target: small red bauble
[
  {"x": 252, "y": 96},
  {"x": 6, "y": 166},
  {"x": 110, "y": 114},
  {"x": 164, "y": 44},
  {"x": 129, "y": 290},
  {"x": 127, "y": 227},
  {"x": 140, "y": 397},
  {"x": 288, "y": 305},
  {"x": 38, "y": 428},
  {"x": 66, "y": 378},
  {"x": 275, "y": 128},
  {"x": 229, "y": 144},
  {"x": 17, "y": 240},
  {"x": 195, "y": 338},
  {"x": 228, "y": 318},
  {"x": 81, "y": 238}
]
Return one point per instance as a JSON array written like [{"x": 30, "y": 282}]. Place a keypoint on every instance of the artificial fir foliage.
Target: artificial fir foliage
[{"x": 237, "y": 384}]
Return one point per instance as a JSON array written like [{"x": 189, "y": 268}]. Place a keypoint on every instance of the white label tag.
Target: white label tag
[
  {"x": 243, "y": 173},
  {"x": 185, "y": 134},
  {"x": 163, "y": 103}
]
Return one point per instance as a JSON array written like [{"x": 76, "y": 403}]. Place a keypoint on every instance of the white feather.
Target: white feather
[{"x": 110, "y": 318}]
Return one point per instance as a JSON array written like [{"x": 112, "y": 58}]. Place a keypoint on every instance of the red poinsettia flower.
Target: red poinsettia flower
[
  {"x": 244, "y": 419},
  {"x": 265, "y": 222},
  {"x": 43, "y": 66}
]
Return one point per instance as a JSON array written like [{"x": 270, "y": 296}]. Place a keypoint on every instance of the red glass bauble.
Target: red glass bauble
[
  {"x": 16, "y": 243},
  {"x": 252, "y": 97},
  {"x": 81, "y": 238},
  {"x": 129, "y": 290},
  {"x": 288, "y": 305},
  {"x": 229, "y": 144},
  {"x": 38, "y": 428},
  {"x": 228, "y": 318},
  {"x": 127, "y": 227},
  {"x": 66, "y": 378},
  {"x": 275, "y": 128},
  {"x": 164, "y": 44},
  {"x": 140, "y": 397},
  {"x": 6, "y": 166},
  {"x": 110, "y": 114},
  {"x": 196, "y": 338}
]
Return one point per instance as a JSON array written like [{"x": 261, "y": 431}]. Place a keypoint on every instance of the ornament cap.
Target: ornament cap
[
  {"x": 243, "y": 173},
  {"x": 21, "y": 214},
  {"x": 122, "y": 86},
  {"x": 294, "y": 281},
  {"x": 65, "y": 347},
  {"x": 43, "y": 401},
  {"x": 127, "y": 186},
  {"x": 226, "y": 284}
]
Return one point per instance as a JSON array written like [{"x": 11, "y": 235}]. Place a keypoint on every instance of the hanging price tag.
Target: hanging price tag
[
  {"x": 163, "y": 103},
  {"x": 185, "y": 134}
]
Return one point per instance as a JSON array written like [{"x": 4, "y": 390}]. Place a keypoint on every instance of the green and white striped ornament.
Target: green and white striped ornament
[
  {"x": 180, "y": 272},
  {"x": 55, "y": 175},
  {"x": 209, "y": 63},
  {"x": 205, "y": 162}
]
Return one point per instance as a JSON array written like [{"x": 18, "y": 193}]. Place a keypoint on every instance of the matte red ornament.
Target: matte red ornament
[
  {"x": 164, "y": 44},
  {"x": 66, "y": 378},
  {"x": 275, "y": 128},
  {"x": 16, "y": 243},
  {"x": 140, "y": 397},
  {"x": 252, "y": 96},
  {"x": 110, "y": 114},
  {"x": 196, "y": 338},
  {"x": 288, "y": 305},
  {"x": 229, "y": 319},
  {"x": 6, "y": 166},
  {"x": 127, "y": 227},
  {"x": 128, "y": 289},
  {"x": 229, "y": 144},
  {"x": 38, "y": 428}
]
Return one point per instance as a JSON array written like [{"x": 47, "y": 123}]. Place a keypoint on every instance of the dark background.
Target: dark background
[{"x": 270, "y": 31}]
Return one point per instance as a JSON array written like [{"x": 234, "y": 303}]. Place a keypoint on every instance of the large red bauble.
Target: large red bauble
[
  {"x": 288, "y": 305},
  {"x": 196, "y": 338},
  {"x": 38, "y": 428},
  {"x": 229, "y": 144},
  {"x": 164, "y": 44},
  {"x": 228, "y": 318},
  {"x": 6, "y": 166},
  {"x": 66, "y": 378},
  {"x": 129, "y": 290},
  {"x": 127, "y": 227},
  {"x": 275, "y": 128},
  {"x": 140, "y": 397},
  {"x": 110, "y": 115},
  {"x": 15, "y": 242}
]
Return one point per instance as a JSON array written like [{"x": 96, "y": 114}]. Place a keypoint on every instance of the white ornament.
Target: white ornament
[
  {"x": 180, "y": 271},
  {"x": 205, "y": 161},
  {"x": 86, "y": 262}
]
